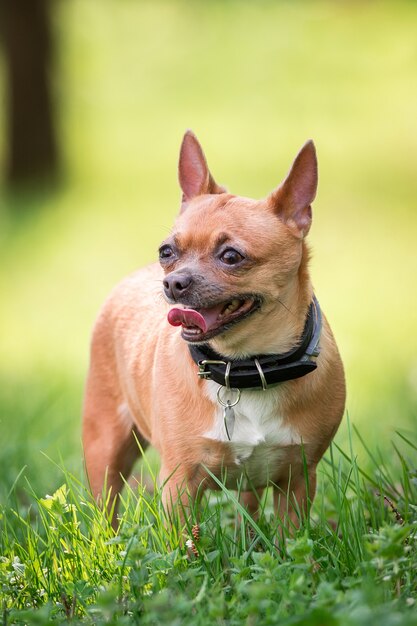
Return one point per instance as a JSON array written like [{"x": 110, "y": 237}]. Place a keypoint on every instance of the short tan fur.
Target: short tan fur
[{"x": 143, "y": 383}]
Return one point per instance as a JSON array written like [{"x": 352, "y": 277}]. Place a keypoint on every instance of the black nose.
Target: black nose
[{"x": 176, "y": 285}]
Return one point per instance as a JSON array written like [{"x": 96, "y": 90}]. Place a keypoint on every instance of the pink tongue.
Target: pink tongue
[{"x": 203, "y": 319}]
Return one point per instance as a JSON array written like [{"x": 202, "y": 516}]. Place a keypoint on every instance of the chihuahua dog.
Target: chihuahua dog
[{"x": 235, "y": 374}]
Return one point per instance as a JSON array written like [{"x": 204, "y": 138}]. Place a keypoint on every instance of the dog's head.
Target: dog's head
[{"x": 236, "y": 267}]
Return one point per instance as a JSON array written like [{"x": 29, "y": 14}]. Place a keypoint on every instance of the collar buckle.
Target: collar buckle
[{"x": 206, "y": 374}]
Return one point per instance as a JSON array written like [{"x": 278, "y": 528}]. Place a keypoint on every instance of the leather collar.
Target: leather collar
[{"x": 262, "y": 371}]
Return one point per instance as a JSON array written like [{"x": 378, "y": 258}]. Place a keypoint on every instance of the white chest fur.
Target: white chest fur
[{"x": 260, "y": 434}]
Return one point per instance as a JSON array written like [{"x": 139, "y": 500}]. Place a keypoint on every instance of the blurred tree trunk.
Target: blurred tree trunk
[{"x": 31, "y": 141}]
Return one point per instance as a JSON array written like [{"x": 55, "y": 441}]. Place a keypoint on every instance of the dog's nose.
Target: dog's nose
[{"x": 176, "y": 285}]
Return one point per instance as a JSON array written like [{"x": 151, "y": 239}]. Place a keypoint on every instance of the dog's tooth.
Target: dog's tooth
[
  {"x": 233, "y": 306},
  {"x": 230, "y": 308},
  {"x": 192, "y": 330}
]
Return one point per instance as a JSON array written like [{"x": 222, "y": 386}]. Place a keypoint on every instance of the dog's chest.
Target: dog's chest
[{"x": 261, "y": 444}]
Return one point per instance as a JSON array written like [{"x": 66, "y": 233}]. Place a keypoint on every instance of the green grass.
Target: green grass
[
  {"x": 352, "y": 562},
  {"x": 254, "y": 81}
]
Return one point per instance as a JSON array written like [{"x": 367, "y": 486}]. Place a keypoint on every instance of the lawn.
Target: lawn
[{"x": 254, "y": 81}]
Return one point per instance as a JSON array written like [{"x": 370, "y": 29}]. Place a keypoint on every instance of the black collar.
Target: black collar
[{"x": 267, "y": 369}]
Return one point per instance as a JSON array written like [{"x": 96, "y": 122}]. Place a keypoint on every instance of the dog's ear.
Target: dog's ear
[
  {"x": 292, "y": 200},
  {"x": 193, "y": 172}
]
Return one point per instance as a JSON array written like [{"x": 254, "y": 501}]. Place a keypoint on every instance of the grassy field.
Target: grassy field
[
  {"x": 352, "y": 563},
  {"x": 254, "y": 81}
]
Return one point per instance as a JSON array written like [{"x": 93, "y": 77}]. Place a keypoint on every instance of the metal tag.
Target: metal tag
[{"x": 229, "y": 420}]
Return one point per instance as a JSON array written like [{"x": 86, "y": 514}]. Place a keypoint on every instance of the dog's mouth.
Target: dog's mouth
[{"x": 201, "y": 324}]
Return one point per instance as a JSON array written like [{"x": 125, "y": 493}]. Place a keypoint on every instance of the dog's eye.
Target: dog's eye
[
  {"x": 231, "y": 256},
  {"x": 166, "y": 252}
]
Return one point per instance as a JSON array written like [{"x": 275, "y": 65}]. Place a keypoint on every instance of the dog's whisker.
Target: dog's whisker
[
  {"x": 285, "y": 307},
  {"x": 165, "y": 229}
]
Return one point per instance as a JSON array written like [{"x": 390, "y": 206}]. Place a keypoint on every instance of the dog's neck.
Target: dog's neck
[
  {"x": 264, "y": 370},
  {"x": 280, "y": 324}
]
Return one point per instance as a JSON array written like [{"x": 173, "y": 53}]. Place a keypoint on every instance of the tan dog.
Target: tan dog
[{"x": 251, "y": 386}]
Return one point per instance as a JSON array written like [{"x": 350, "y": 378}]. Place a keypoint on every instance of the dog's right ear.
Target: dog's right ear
[
  {"x": 292, "y": 200},
  {"x": 193, "y": 172}
]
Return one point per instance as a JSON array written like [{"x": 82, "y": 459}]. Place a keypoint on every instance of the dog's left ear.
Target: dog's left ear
[
  {"x": 292, "y": 200},
  {"x": 193, "y": 172}
]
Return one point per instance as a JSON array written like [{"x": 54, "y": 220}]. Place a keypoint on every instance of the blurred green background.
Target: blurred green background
[{"x": 254, "y": 80}]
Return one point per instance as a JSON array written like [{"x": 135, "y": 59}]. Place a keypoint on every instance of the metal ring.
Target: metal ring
[
  {"x": 227, "y": 375},
  {"x": 261, "y": 374},
  {"x": 225, "y": 402}
]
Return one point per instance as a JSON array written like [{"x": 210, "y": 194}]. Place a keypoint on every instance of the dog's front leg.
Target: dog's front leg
[
  {"x": 251, "y": 501},
  {"x": 180, "y": 491},
  {"x": 293, "y": 498}
]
